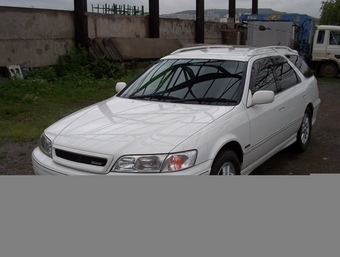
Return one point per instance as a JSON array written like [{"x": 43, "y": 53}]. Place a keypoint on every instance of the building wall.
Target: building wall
[
  {"x": 36, "y": 37},
  {"x": 33, "y": 37},
  {"x": 183, "y": 30},
  {"x": 109, "y": 25},
  {"x": 112, "y": 25}
]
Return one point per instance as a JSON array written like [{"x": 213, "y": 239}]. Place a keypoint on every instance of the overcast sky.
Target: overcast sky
[{"x": 310, "y": 7}]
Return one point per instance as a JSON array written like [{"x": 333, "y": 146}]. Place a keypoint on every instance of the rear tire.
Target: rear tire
[
  {"x": 304, "y": 133},
  {"x": 329, "y": 70},
  {"x": 226, "y": 163}
]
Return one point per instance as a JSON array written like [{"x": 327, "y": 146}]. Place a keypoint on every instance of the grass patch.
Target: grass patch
[
  {"x": 28, "y": 106},
  {"x": 25, "y": 111}
]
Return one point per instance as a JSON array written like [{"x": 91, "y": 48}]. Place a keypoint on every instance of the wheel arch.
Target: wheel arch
[
  {"x": 234, "y": 146},
  {"x": 311, "y": 107}
]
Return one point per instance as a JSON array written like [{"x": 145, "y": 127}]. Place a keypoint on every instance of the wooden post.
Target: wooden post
[
  {"x": 81, "y": 24},
  {"x": 200, "y": 35}
]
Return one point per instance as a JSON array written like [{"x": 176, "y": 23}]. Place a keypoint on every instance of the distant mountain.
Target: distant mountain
[{"x": 218, "y": 14}]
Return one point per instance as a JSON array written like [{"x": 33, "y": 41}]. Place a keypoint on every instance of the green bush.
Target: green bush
[
  {"x": 75, "y": 66},
  {"x": 75, "y": 62},
  {"x": 47, "y": 73},
  {"x": 103, "y": 69}
]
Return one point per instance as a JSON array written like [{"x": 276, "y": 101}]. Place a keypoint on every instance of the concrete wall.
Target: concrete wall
[
  {"x": 183, "y": 30},
  {"x": 109, "y": 25},
  {"x": 105, "y": 26},
  {"x": 33, "y": 37},
  {"x": 36, "y": 37}
]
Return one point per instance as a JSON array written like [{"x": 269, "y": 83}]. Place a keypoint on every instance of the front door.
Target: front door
[{"x": 267, "y": 121}]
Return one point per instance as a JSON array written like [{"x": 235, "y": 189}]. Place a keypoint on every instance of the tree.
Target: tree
[{"x": 330, "y": 12}]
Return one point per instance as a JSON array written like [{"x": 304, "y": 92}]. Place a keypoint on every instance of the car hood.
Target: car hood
[{"x": 125, "y": 126}]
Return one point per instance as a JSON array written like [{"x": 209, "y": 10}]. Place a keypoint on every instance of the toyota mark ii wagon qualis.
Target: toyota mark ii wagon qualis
[{"x": 218, "y": 110}]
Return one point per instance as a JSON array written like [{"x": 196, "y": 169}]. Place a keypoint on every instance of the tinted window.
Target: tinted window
[
  {"x": 301, "y": 65},
  {"x": 285, "y": 74},
  {"x": 190, "y": 81},
  {"x": 262, "y": 76}
]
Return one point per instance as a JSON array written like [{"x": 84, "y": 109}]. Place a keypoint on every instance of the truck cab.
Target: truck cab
[{"x": 326, "y": 50}]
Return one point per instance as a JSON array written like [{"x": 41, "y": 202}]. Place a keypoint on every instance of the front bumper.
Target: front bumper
[{"x": 44, "y": 165}]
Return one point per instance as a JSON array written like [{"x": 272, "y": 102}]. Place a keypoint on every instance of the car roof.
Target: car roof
[{"x": 227, "y": 52}]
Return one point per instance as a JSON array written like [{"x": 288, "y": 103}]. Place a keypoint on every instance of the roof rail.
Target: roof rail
[
  {"x": 266, "y": 49},
  {"x": 200, "y": 47}
]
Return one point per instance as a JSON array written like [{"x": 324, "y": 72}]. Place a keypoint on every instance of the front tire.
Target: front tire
[
  {"x": 305, "y": 131},
  {"x": 226, "y": 164}
]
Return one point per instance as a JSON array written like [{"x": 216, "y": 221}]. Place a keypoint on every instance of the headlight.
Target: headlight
[
  {"x": 45, "y": 145},
  {"x": 155, "y": 163}
]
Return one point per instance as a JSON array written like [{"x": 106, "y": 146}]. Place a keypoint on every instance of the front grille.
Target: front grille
[{"x": 74, "y": 157}]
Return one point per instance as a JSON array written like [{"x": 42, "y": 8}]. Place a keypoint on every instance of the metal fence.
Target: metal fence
[{"x": 119, "y": 9}]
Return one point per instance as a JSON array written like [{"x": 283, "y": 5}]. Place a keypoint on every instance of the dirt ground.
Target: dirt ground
[{"x": 322, "y": 155}]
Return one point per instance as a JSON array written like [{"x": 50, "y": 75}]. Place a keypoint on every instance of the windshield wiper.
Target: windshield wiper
[
  {"x": 154, "y": 96},
  {"x": 179, "y": 100},
  {"x": 207, "y": 100}
]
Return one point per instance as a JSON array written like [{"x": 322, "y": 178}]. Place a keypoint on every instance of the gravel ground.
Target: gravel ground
[
  {"x": 322, "y": 155},
  {"x": 15, "y": 158}
]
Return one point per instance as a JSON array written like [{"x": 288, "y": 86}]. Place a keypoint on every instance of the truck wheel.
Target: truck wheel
[
  {"x": 226, "y": 163},
  {"x": 329, "y": 70}
]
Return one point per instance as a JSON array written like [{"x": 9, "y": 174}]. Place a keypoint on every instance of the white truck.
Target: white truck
[
  {"x": 326, "y": 51},
  {"x": 321, "y": 50}
]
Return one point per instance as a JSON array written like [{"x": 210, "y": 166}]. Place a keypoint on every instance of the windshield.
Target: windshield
[{"x": 217, "y": 82}]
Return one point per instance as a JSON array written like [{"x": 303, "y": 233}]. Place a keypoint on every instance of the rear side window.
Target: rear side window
[
  {"x": 285, "y": 74},
  {"x": 301, "y": 65}
]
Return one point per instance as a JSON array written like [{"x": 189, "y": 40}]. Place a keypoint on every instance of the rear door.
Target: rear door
[{"x": 294, "y": 90}]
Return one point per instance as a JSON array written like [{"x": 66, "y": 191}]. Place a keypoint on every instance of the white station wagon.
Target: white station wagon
[{"x": 206, "y": 110}]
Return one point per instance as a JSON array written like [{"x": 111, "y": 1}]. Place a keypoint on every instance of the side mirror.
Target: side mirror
[
  {"x": 263, "y": 97},
  {"x": 120, "y": 86}
]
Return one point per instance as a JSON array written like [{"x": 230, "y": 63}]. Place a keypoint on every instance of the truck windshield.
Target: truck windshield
[{"x": 217, "y": 82}]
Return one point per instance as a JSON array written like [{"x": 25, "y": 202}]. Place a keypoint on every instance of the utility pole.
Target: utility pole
[
  {"x": 81, "y": 24},
  {"x": 232, "y": 13},
  {"x": 154, "y": 18},
  {"x": 255, "y": 7},
  {"x": 200, "y": 35}
]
